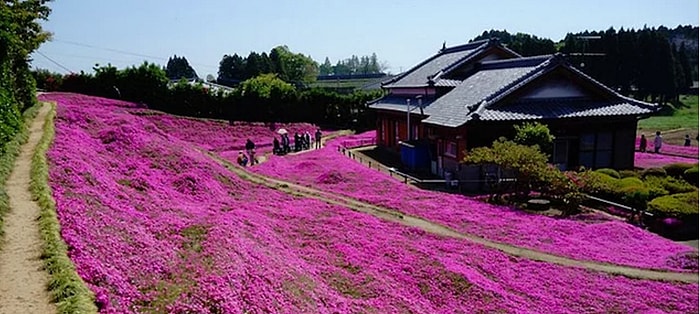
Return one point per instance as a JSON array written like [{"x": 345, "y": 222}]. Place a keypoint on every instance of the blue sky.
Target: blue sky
[{"x": 401, "y": 33}]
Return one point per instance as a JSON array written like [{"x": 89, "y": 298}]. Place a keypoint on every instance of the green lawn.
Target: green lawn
[{"x": 685, "y": 117}]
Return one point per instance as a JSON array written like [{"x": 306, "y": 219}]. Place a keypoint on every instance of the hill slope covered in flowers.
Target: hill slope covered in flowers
[{"x": 153, "y": 225}]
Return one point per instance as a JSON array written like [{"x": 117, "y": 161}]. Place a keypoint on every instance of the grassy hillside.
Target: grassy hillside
[
  {"x": 686, "y": 116},
  {"x": 674, "y": 127}
]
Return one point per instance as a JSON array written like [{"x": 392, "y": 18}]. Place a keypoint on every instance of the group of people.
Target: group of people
[
  {"x": 300, "y": 142},
  {"x": 249, "y": 156},
  {"x": 658, "y": 142},
  {"x": 280, "y": 147}
]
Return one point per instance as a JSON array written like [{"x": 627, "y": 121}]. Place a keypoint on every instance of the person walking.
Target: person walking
[
  {"x": 253, "y": 159},
  {"x": 687, "y": 140},
  {"x": 643, "y": 144},
  {"x": 249, "y": 146},
  {"x": 658, "y": 141},
  {"x": 285, "y": 144},
  {"x": 276, "y": 146},
  {"x": 297, "y": 142},
  {"x": 317, "y": 137},
  {"x": 307, "y": 140}
]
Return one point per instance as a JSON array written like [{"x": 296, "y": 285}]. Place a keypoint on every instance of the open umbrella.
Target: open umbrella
[{"x": 282, "y": 131}]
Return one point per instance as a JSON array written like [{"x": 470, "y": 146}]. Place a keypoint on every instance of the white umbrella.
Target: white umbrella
[{"x": 282, "y": 131}]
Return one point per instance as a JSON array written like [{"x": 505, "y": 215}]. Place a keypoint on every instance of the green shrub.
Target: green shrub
[
  {"x": 691, "y": 176},
  {"x": 675, "y": 205},
  {"x": 531, "y": 170},
  {"x": 629, "y": 181},
  {"x": 670, "y": 184},
  {"x": 611, "y": 172},
  {"x": 534, "y": 133},
  {"x": 632, "y": 192},
  {"x": 659, "y": 172},
  {"x": 629, "y": 174},
  {"x": 677, "y": 169},
  {"x": 596, "y": 183}
]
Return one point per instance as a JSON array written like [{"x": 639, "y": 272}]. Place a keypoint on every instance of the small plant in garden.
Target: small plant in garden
[
  {"x": 691, "y": 176},
  {"x": 611, "y": 172},
  {"x": 534, "y": 133},
  {"x": 677, "y": 205},
  {"x": 531, "y": 170},
  {"x": 677, "y": 169}
]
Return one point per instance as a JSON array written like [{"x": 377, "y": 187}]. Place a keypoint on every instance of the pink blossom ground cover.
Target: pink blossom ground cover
[
  {"x": 652, "y": 160},
  {"x": 580, "y": 238},
  {"x": 670, "y": 149},
  {"x": 152, "y": 225},
  {"x": 220, "y": 136}
]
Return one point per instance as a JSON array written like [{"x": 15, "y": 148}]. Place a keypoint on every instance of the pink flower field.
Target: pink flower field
[
  {"x": 153, "y": 225},
  {"x": 669, "y": 149},
  {"x": 587, "y": 239},
  {"x": 225, "y": 139},
  {"x": 652, "y": 160}
]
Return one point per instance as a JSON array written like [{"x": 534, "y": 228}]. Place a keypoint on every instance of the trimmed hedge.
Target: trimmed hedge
[
  {"x": 691, "y": 176},
  {"x": 669, "y": 184},
  {"x": 611, "y": 172},
  {"x": 677, "y": 205},
  {"x": 659, "y": 172},
  {"x": 628, "y": 174},
  {"x": 677, "y": 169}
]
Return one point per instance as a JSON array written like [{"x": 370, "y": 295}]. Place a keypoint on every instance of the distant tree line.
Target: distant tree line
[
  {"x": 352, "y": 66},
  {"x": 265, "y": 97},
  {"x": 291, "y": 67},
  {"x": 178, "y": 67},
  {"x": 652, "y": 64},
  {"x": 644, "y": 63},
  {"x": 524, "y": 44},
  {"x": 20, "y": 35}
]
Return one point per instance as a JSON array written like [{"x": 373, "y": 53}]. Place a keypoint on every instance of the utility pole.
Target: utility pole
[{"x": 408, "y": 119}]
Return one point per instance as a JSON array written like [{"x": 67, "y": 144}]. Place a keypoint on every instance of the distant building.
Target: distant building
[{"x": 469, "y": 95}]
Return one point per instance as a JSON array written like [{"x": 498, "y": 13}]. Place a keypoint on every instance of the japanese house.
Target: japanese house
[{"x": 468, "y": 96}]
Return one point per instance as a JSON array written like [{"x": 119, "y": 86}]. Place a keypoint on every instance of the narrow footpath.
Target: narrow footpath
[
  {"x": 435, "y": 228},
  {"x": 23, "y": 282}
]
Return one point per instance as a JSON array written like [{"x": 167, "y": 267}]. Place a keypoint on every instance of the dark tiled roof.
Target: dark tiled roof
[
  {"x": 418, "y": 75},
  {"x": 453, "y": 108},
  {"x": 478, "y": 96},
  {"x": 563, "y": 108},
  {"x": 398, "y": 103},
  {"x": 447, "y": 83}
]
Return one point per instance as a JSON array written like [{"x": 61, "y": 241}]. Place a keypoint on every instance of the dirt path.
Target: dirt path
[
  {"x": 435, "y": 228},
  {"x": 22, "y": 281}
]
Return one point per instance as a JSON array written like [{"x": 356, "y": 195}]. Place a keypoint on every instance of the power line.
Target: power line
[
  {"x": 125, "y": 52},
  {"x": 54, "y": 62}
]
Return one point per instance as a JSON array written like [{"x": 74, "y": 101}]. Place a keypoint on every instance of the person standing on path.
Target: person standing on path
[
  {"x": 643, "y": 144},
  {"x": 687, "y": 140},
  {"x": 317, "y": 137},
  {"x": 249, "y": 147},
  {"x": 658, "y": 141}
]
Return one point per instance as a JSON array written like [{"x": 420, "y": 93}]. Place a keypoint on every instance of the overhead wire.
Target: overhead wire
[
  {"x": 55, "y": 62},
  {"x": 127, "y": 52}
]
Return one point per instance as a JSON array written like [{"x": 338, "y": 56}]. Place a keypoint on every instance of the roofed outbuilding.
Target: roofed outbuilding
[{"x": 469, "y": 95}]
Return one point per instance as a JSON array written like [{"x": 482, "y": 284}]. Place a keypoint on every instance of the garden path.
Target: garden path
[
  {"x": 435, "y": 228},
  {"x": 23, "y": 282}
]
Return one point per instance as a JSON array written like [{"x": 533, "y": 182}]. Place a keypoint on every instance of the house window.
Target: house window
[
  {"x": 382, "y": 131},
  {"x": 451, "y": 149},
  {"x": 596, "y": 150},
  {"x": 604, "y": 149}
]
